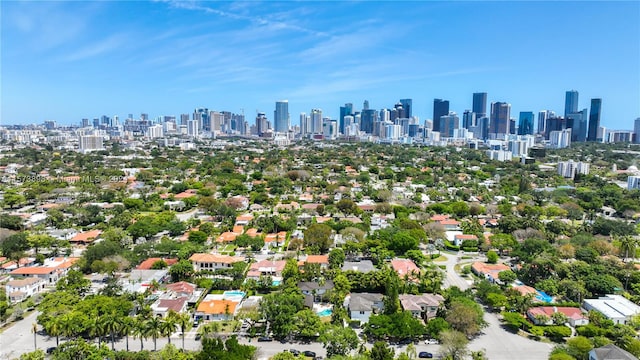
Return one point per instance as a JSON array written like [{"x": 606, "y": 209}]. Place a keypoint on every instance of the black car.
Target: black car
[
  {"x": 294, "y": 352},
  {"x": 264, "y": 339},
  {"x": 51, "y": 350},
  {"x": 405, "y": 342},
  {"x": 309, "y": 354},
  {"x": 425, "y": 355}
]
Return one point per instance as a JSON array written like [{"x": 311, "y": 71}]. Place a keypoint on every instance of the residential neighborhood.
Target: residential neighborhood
[{"x": 396, "y": 250}]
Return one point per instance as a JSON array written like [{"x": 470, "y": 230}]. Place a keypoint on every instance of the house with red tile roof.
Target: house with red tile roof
[
  {"x": 181, "y": 288},
  {"x": 488, "y": 271},
  {"x": 405, "y": 267},
  {"x": 148, "y": 264},
  {"x": 86, "y": 237},
  {"x": 227, "y": 237},
  {"x": 458, "y": 239},
  {"x": 450, "y": 224},
  {"x": 323, "y": 260},
  {"x": 265, "y": 267},
  {"x": 204, "y": 261},
  {"x": 161, "y": 307},
  {"x": 216, "y": 310},
  {"x": 575, "y": 315}
]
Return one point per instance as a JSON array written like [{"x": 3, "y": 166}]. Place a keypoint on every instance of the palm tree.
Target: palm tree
[
  {"x": 210, "y": 328},
  {"x": 628, "y": 245},
  {"x": 184, "y": 321},
  {"x": 125, "y": 327},
  {"x": 34, "y": 330},
  {"x": 111, "y": 323},
  {"x": 69, "y": 326},
  {"x": 140, "y": 330},
  {"x": 154, "y": 326},
  {"x": 97, "y": 328},
  {"x": 168, "y": 326},
  {"x": 52, "y": 327}
]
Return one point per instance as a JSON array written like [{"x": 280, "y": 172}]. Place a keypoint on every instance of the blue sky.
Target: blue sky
[{"x": 66, "y": 61}]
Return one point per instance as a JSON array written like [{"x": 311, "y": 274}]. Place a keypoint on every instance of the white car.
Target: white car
[{"x": 431, "y": 342}]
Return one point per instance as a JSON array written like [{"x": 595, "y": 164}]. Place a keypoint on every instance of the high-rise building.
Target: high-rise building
[
  {"x": 560, "y": 139},
  {"x": 407, "y": 105},
  {"x": 577, "y": 121},
  {"x": 89, "y": 143},
  {"x": 398, "y": 112},
  {"x": 345, "y": 110},
  {"x": 367, "y": 118},
  {"x": 184, "y": 119},
  {"x": 281, "y": 116},
  {"x": 440, "y": 108},
  {"x": 525, "y": 123},
  {"x": 594, "y": 119},
  {"x": 261, "y": 123},
  {"x": 448, "y": 124},
  {"x": 316, "y": 121},
  {"x": 480, "y": 104},
  {"x": 85, "y": 123},
  {"x": 469, "y": 119},
  {"x": 543, "y": 115},
  {"x": 636, "y": 130},
  {"x": 365, "y": 105},
  {"x": 569, "y": 169},
  {"x": 500, "y": 118},
  {"x": 305, "y": 124},
  {"x": 570, "y": 102}
]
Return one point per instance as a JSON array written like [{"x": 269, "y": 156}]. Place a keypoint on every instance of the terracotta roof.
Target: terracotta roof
[
  {"x": 570, "y": 312},
  {"x": 87, "y": 236},
  {"x": 214, "y": 258},
  {"x": 33, "y": 270},
  {"x": 492, "y": 269},
  {"x": 449, "y": 222},
  {"x": 147, "y": 264},
  {"x": 466, "y": 237},
  {"x": 217, "y": 307},
  {"x": 182, "y": 287},
  {"x": 185, "y": 194},
  {"x": 172, "y": 304},
  {"x": 318, "y": 259},
  {"x": 227, "y": 236},
  {"x": 238, "y": 229},
  {"x": 252, "y": 232},
  {"x": 404, "y": 266},
  {"x": 439, "y": 217}
]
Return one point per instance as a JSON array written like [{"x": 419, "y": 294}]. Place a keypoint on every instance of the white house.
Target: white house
[
  {"x": 613, "y": 307},
  {"x": 363, "y": 305},
  {"x": 18, "y": 290}
]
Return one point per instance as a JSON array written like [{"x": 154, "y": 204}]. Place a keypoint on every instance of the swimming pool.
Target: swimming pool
[
  {"x": 234, "y": 294},
  {"x": 544, "y": 297},
  {"x": 325, "y": 312}
]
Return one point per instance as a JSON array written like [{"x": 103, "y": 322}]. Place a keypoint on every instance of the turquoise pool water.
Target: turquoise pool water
[
  {"x": 276, "y": 282},
  {"x": 234, "y": 293},
  {"x": 544, "y": 297},
  {"x": 325, "y": 312}
]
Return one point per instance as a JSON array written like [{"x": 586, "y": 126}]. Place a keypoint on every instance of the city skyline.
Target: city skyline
[{"x": 103, "y": 58}]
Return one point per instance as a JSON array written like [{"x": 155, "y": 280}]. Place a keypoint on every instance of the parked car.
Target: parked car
[
  {"x": 264, "y": 339},
  {"x": 425, "y": 355},
  {"x": 309, "y": 354},
  {"x": 51, "y": 350},
  {"x": 431, "y": 342},
  {"x": 405, "y": 342},
  {"x": 294, "y": 352}
]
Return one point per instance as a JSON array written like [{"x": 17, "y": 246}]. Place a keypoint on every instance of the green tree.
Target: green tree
[
  {"x": 74, "y": 282},
  {"x": 336, "y": 258},
  {"x": 492, "y": 257},
  {"x": 198, "y": 237},
  {"x": 465, "y": 316},
  {"x": 381, "y": 351},
  {"x": 339, "y": 340},
  {"x": 181, "y": 271},
  {"x": 454, "y": 344},
  {"x": 579, "y": 347},
  {"x": 318, "y": 236}
]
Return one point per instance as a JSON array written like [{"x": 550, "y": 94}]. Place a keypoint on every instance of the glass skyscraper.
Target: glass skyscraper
[
  {"x": 345, "y": 110},
  {"x": 440, "y": 108},
  {"x": 570, "y": 102},
  {"x": 500, "y": 118},
  {"x": 480, "y": 104},
  {"x": 281, "y": 116},
  {"x": 407, "y": 105},
  {"x": 525, "y": 123},
  {"x": 594, "y": 119}
]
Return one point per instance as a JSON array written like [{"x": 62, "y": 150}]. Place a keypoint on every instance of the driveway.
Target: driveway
[{"x": 498, "y": 343}]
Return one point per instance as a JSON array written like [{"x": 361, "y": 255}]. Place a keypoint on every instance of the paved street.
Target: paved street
[{"x": 498, "y": 343}]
